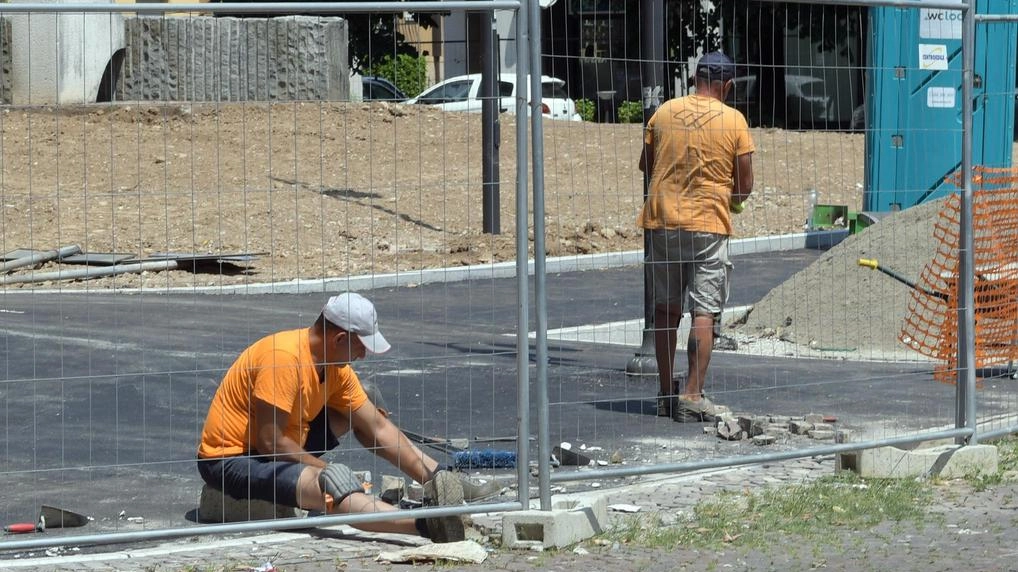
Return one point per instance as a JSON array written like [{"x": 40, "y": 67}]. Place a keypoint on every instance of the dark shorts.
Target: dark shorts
[{"x": 261, "y": 477}]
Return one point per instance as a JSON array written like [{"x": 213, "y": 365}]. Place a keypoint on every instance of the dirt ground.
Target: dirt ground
[{"x": 340, "y": 189}]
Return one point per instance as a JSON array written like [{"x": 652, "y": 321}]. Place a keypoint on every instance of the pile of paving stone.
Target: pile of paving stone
[{"x": 769, "y": 429}]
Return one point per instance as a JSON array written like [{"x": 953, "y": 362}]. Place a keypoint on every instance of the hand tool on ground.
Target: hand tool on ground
[
  {"x": 61, "y": 518},
  {"x": 464, "y": 457},
  {"x": 26, "y": 527},
  {"x": 49, "y": 517},
  {"x": 872, "y": 263}
]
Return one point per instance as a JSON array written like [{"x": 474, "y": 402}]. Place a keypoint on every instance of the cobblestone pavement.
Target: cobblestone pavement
[{"x": 966, "y": 528}]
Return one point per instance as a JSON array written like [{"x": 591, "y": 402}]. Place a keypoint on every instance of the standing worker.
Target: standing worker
[
  {"x": 286, "y": 400},
  {"x": 699, "y": 156}
]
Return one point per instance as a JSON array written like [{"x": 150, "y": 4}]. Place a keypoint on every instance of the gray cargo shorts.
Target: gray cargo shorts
[{"x": 690, "y": 263}]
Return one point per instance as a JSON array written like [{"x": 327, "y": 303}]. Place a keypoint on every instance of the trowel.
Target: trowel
[{"x": 49, "y": 517}]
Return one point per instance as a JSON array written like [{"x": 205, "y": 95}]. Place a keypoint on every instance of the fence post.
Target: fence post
[
  {"x": 522, "y": 277},
  {"x": 643, "y": 363},
  {"x": 966, "y": 383},
  {"x": 540, "y": 298},
  {"x": 491, "y": 219}
]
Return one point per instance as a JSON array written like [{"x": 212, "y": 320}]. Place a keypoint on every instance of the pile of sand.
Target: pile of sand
[{"x": 835, "y": 307}]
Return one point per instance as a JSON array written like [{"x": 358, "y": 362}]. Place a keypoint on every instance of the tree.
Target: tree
[
  {"x": 373, "y": 37},
  {"x": 755, "y": 33}
]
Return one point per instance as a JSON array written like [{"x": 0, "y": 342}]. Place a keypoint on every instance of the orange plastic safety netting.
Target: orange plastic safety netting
[{"x": 931, "y": 326}]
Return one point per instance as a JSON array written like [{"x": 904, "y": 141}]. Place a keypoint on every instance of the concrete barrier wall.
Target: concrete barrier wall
[
  {"x": 214, "y": 59},
  {"x": 60, "y": 57},
  {"x": 235, "y": 59}
]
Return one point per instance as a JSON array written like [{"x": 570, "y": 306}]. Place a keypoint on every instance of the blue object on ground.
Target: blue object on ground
[{"x": 484, "y": 459}]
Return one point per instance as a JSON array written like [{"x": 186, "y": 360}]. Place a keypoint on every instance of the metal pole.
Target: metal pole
[
  {"x": 38, "y": 257},
  {"x": 966, "y": 381},
  {"x": 540, "y": 269},
  {"x": 644, "y": 363},
  {"x": 522, "y": 281},
  {"x": 91, "y": 272},
  {"x": 235, "y": 527},
  {"x": 491, "y": 217}
]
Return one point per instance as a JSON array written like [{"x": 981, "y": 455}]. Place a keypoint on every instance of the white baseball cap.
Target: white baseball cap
[{"x": 354, "y": 313}]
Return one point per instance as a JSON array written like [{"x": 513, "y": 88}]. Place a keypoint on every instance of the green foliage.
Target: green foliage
[
  {"x": 1007, "y": 454},
  {"x": 1007, "y": 466},
  {"x": 814, "y": 511},
  {"x": 373, "y": 37},
  {"x": 586, "y": 109},
  {"x": 631, "y": 112},
  {"x": 409, "y": 73}
]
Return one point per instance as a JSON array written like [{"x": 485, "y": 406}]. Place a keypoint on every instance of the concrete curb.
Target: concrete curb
[
  {"x": 946, "y": 461},
  {"x": 601, "y": 261}
]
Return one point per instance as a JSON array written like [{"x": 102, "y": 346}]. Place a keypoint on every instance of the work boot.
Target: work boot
[
  {"x": 444, "y": 489},
  {"x": 702, "y": 411},
  {"x": 479, "y": 489}
]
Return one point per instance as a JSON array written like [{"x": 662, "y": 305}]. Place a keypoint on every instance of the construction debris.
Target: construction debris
[
  {"x": 768, "y": 429},
  {"x": 102, "y": 264},
  {"x": 462, "y": 551}
]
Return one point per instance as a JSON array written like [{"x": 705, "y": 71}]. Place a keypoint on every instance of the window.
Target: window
[
  {"x": 553, "y": 90},
  {"x": 379, "y": 91},
  {"x": 813, "y": 89},
  {"x": 450, "y": 92}
]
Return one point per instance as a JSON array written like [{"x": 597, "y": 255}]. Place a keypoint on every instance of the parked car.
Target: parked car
[
  {"x": 463, "y": 93},
  {"x": 374, "y": 88},
  {"x": 807, "y": 103}
]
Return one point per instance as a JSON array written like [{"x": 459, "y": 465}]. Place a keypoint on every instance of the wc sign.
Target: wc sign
[
  {"x": 932, "y": 57},
  {"x": 940, "y": 24}
]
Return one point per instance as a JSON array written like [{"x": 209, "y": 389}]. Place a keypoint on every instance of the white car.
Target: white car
[
  {"x": 807, "y": 103},
  {"x": 463, "y": 93}
]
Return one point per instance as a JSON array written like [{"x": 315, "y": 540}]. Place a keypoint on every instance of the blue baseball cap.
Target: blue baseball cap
[{"x": 715, "y": 66}]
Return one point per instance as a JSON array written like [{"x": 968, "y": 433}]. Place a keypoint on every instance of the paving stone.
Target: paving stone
[
  {"x": 799, "y": 427},
  {"x": 730, "y": 430},
  {"x": 821, "y": 434}
]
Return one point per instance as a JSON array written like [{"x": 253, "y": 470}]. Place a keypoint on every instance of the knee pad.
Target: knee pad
[{"x": 339, "y": 481}]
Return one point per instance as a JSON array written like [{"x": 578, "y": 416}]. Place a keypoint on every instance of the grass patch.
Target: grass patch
[
  {"x": 1007, "y": 454},
  {"x": 814, "y": 511},
  {"x": 1007, "y": 466}
]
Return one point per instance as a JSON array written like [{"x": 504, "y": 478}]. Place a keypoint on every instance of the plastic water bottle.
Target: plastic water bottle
[{"x": 810, "y": 208}]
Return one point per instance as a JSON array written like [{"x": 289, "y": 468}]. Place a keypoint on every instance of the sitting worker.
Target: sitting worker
[{"x": 286, "y": 400}]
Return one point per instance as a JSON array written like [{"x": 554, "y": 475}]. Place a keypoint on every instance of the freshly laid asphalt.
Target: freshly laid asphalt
[{"x": 105, "y": 394}]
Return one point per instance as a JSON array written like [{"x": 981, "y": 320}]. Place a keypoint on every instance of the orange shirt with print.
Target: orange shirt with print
[
  {"x": 696, "y": 140},
  {"x": 279, "y": 370}
]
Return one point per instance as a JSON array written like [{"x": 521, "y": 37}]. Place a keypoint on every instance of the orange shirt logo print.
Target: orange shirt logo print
[{"x": 695, "y": 119}]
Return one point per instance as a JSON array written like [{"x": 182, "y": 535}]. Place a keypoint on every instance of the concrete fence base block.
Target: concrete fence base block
[
  {"x": 569, "y": 521},
  {"x": 946, "y": 461},
  {"x": 214, "y": 506}
]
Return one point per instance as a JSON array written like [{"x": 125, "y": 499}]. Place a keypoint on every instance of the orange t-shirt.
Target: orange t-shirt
[
  {"x": 696, "y": 140},
  {"x": 279, "y": 370}
]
